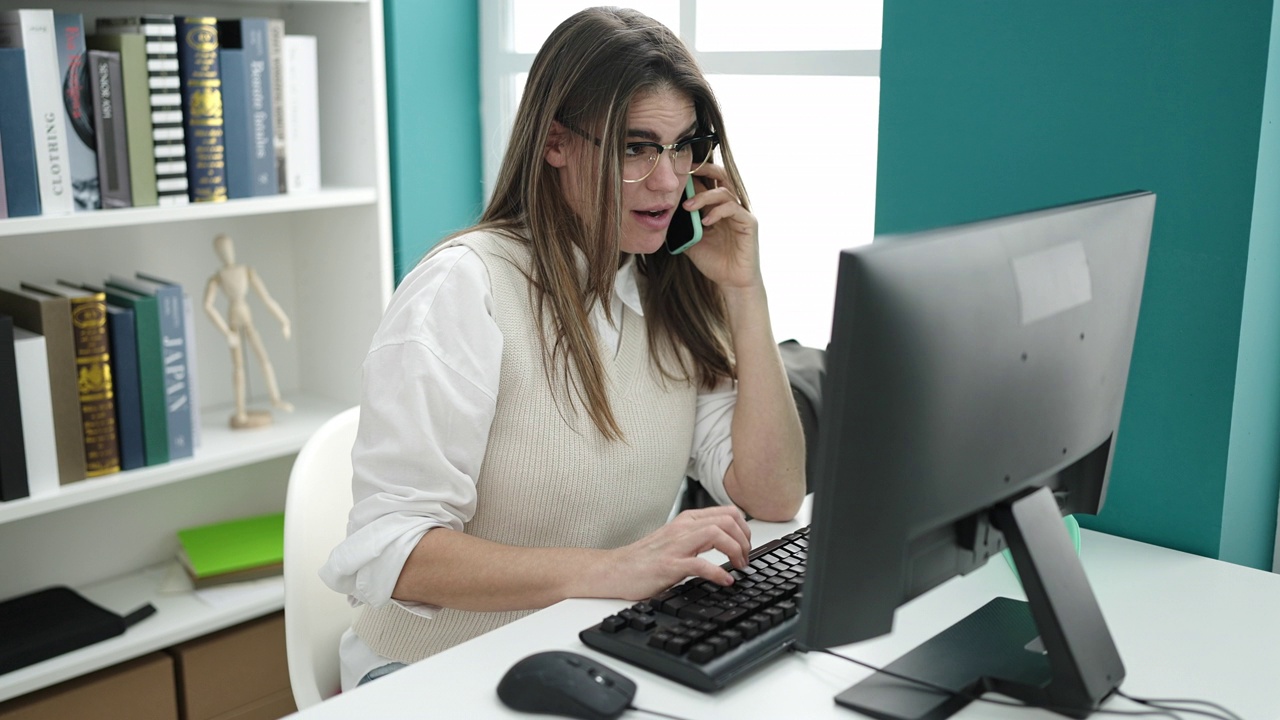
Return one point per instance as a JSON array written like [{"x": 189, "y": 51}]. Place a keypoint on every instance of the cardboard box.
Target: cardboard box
[
  {"x": 240, "y": 673},
  {"x": 141, "y": 689}
]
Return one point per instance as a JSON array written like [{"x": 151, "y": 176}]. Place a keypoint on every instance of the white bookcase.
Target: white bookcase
[{"x": 326, "y": 257}]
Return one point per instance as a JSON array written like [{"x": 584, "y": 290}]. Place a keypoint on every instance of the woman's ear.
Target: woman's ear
[{"x": 557, "y": 147}]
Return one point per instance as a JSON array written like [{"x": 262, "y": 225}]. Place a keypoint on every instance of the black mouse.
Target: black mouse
[{"x": 557, "y": 682}]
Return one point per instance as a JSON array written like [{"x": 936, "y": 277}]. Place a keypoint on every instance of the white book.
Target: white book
[
  {"x": 301, "y": 113},
  {"x": 34, "y": 32},
  {"x": 37, "y": 412}
]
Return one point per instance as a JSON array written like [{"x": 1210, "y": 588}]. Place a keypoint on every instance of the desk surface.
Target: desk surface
[{"x": 1186, "y": 627}]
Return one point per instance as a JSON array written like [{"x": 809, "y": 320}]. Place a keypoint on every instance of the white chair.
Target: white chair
[{"x": 315, "y": 521}]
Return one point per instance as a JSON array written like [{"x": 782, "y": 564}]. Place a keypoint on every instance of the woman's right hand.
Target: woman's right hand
[{"x": 670, "y": 553}]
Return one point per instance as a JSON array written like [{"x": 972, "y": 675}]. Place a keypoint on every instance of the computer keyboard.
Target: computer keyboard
[{"x": 704, "y": 635}]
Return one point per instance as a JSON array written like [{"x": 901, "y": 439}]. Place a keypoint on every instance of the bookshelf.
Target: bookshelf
[{"x": 326, "y": 257}]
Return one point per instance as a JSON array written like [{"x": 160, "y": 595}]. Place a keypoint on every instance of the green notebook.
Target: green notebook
[{"x": 233, "y": 545}]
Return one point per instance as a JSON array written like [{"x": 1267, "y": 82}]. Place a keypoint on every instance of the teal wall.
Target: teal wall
[
  {"x": 989, "y": 108},
  {"x": 433, "y": 105}
]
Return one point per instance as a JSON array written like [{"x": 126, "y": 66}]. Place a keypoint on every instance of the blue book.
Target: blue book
[
  {"x": 200, "y": 79},
  {"x": 247, "y": 108},
  {"x": 146, "y": 321},
  {"x": 22, "y": 187},
  {"x": 123, "y": 336},
  {"x": 179, "y": 413}
]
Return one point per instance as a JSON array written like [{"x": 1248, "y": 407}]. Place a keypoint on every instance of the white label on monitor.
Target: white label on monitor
[{"x": 1051, "y": 281}]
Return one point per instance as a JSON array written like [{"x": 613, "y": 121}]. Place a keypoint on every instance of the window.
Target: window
[{"x": 811, "y": 70}]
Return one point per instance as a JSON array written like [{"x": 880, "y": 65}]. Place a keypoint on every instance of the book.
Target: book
[
  {"x": 53, "y": 621},
  {"x": 37, "y": 412},
  {"x": 51, "y": 317},
  {"x": 137, "y": 112},
  {"x": 81, "y": 156},
  {"x": 93, "y": 375},
  {"x": 302, "y": 113},
  {"x": 155, "y": 413},
  {"x": 234, "y": 548},
  {"x": 193, "y": 375},
  {"x": 124, "y": 373},
  {"x": 275, "y": 50},
  {"x": 13, "y": 457},
  {"x": 109, "y": 124},
  {"x": 4, "y": 201},
  {"x": 34, "y": 32},
  {"x": 168, "y": 138},
  {"x": 247, "y": 107},
  {"x": 21, "y": 184},
  {"x": 173, "y": 340},
  {"x": 201, "y": 80}
]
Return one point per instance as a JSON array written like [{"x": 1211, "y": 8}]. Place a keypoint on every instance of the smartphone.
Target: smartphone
[{"x": 685, "y": 229}]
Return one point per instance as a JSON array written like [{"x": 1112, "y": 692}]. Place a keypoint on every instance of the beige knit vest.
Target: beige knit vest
[{"x": 549, "y": 478}]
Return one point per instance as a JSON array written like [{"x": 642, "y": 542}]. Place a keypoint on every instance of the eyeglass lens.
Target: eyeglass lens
[{"x": 640, "y": 160}]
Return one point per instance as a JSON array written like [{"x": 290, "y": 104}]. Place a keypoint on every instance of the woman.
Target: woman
[{"x": 542, "y": 382}]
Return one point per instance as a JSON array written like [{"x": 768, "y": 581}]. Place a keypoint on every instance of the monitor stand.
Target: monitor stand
[{"x": 1053, "y": 651}]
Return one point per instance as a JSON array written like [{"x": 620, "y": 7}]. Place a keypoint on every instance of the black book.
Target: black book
[
  {"x": 13, "y": 454},
  {"x": 107, "y": 91}
]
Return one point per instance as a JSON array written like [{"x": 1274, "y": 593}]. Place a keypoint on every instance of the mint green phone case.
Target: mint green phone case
[{"x": 695, "y": 218}]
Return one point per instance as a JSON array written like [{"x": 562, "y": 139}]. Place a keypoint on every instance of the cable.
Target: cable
[
  {"x": 1168, "y": 702},
  {"x": 1165, "y": 712},
  {"x": 655, "y": 712}
]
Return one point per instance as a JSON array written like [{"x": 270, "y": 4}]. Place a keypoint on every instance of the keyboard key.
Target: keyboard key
[
  {"x": 612, "y": 624},
  {"x": 701, "y": 653},
  {"x": 643, "y": 608},
  {"x": 788, "y": 608},
  {"x": 748, "y": 628},
  {"x": 660, "y": 639},
  {"x": 643, "y": 623},
  {"x": 719, "y": 643},
  {"x": 677, "y": 645},
  {"x": 733, "y": 636}
]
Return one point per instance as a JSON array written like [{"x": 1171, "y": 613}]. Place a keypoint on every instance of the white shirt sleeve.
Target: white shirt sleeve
[
  {"x": 713, "y": 439},
  {"x": 428, "y": 399}
]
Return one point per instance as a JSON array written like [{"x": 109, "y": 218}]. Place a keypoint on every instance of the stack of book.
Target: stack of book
[
  {"x": 95, "y": 378},
  {"x": 152, "y": 109},
  {"x": 232, "y": 551}
]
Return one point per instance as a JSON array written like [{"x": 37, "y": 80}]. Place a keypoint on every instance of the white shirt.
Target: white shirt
[{"x": 428, "y": 399}]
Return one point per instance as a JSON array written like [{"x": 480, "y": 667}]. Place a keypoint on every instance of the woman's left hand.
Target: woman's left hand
[{"x": 729, "y": 253}]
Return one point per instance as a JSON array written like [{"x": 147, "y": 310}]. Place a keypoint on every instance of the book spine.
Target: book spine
[
  {"x": 36, "y": 399},
  {"x": 93, "y": 375},
  {"x": 109, "y": 120},
  {"x": 275, "y": 53},
  {"x": 235, "y": 114},
  {"x": 257, "y": 59},
  {"x": 22, "y": 184},
  {"x": 137, "y": 111},
  {"x": 128, "y": 394},
  {"x": 193, "y": 374},
  {"x": 76, "y": 92},
  {"x": 173, "y": 339},
  {"x": 51, "y": 318},
  {"x": 13, "y": 458},
  {"x": 34, "y": 31},
  {"x": 4, "y": 199},
  {"x": 202, "y": 108},
  {"x": 302, "y": 113}
]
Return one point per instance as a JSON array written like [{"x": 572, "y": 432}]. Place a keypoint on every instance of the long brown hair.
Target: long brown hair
[{"x": 585, "y": 76}]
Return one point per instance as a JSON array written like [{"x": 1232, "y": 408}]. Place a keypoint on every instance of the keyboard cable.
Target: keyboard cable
[
  {"x": 1160, "y": 706},
  {"x": 656, "y": 713}
]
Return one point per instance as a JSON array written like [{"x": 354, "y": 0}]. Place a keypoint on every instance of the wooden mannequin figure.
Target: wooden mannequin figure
[{"x": 235, "y": 281}]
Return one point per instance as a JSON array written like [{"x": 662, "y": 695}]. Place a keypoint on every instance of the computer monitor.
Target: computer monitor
[{"x": 974, "y": 384}]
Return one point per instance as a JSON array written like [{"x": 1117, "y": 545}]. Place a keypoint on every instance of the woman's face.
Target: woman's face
[{"x": 663, "y": 116}]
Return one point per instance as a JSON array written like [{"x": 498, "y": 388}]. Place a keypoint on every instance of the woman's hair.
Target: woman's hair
[{"x": 585, "y": 77}]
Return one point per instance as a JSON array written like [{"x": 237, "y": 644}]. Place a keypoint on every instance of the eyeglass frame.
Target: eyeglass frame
[{"x": 674, "y": 147}]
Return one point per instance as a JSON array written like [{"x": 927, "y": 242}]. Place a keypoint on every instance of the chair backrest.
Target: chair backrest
[{"x": 315, "y": 521}]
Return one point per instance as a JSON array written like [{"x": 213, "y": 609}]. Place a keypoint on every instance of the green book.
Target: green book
[
  {"x": 155, "y": 414},
  {"x": 234, "y": 545},
  {"x": 137, "y": 112}
]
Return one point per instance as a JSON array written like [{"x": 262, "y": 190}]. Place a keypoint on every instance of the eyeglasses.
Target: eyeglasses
[{"x": 640, "y": 158}]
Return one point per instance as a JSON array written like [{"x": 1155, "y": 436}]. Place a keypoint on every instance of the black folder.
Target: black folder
[{"x": 53, "y": 621}]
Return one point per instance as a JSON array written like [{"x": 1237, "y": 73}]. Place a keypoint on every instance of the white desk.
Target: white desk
[{"x": 1186, "y": 627}]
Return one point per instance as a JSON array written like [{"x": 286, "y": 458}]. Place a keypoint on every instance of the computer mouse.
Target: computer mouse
[{"x": 563, "y": 683}]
